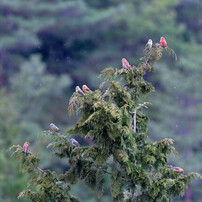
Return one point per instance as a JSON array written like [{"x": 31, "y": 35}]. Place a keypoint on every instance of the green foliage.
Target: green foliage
[
  {"x": 113, "y": 119},
  {"x": 47, "y": 182}
]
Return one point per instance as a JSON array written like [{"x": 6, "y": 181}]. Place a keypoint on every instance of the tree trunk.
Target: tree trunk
[
  {"x": 188, "y": 194},
  {"x": 188, "y": 190}
]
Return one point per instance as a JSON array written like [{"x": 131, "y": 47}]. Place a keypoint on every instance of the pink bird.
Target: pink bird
[
  {"x": 163, "y": 42},
  {"x": 125, "y": 64},
  {"x": 26, "y": 148},
  {"x": 178, "y": 170},
  {"x": 86, "y": 89}
]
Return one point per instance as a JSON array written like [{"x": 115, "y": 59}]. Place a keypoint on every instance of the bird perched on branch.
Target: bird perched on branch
[
  {"x": 86, "y": 89},
  {"x": 26, "y": 148},
  {"x": 125, "y": 64},
  {"x": 178, "y": 170},
  {"x": 78, "y": 90},
  {"x": 148, "y": 45},
  {"x": 163, "y": 42},
  {"x": 74, "y": 142},
  {"x": 54, "y": 127}
]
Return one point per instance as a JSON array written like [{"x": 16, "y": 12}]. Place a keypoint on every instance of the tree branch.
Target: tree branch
[
  {"x": 147, "y": 60},
  {"x": 134, "y": 120},
  {"x": 106, "y": 171},
  {"x": 39, "y": 169}
]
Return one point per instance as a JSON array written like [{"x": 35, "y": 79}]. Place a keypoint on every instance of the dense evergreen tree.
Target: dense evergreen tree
[{"x": 114, "y": 121}]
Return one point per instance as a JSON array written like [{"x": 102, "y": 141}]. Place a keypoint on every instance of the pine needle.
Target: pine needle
[
  {"x": 172, "y": 52},
  {"x": 107, "y": 73},
  {"x": 74, "y": 102}
]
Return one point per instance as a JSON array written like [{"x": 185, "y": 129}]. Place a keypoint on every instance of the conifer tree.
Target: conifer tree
[{"x": 112, "y": 118}]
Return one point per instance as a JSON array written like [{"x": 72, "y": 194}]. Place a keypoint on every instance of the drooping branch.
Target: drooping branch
[
  {"x": 39, "y": 169},
  {"x": 108, "y": 172}
]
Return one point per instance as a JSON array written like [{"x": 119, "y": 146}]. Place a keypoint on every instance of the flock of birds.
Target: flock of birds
[
  {"x": 85, "y": 89},
  {"x": 163, "y": 44}
]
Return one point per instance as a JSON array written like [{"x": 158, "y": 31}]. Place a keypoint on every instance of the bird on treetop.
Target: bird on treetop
[
  {"x": 54, "y": 127},
  {"x": 26, "y": 148},
  {"x": 74, "y": 142},
  {"x": 163, "y": 42},
  {"x": 86, "y": 89},
  {"x": 125, "y": 64},
  {"x": 148, "y": 45},
  {"x": 78, "y": 90}
]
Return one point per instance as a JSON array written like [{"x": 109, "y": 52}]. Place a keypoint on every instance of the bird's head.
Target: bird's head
[
  {"x": 77, "y": 88},
  {"x": 51, "y": 124},
  {"x": 162, "y": 38},
  {"x": 27, "y": 143},
  {"x": 123, "y": 59},
  {"x": 84, "y": 86},
  {"x": 149, "y": 41}
]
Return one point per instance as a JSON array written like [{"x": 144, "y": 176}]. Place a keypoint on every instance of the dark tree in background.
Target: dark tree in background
[{"x": 113, "y": 120}]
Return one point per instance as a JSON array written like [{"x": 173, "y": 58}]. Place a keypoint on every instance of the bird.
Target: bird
[
  {"x": 148, "y": 45},
  {"x": 163, "y": 42},
  {"x": 78, "y": 90},
  {"x": 125, "y": 64},
  {"x": 54, "y": 127},
  {"x": 74, "y": 142},
  {"x": 86, "y": 89},
  {"x": 26, "y": 148},
  {"x": 178, "y": 170}
]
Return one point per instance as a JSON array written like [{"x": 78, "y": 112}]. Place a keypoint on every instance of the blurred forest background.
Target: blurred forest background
[{"x": 47, "y": 47}]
